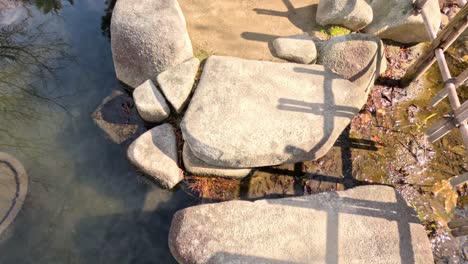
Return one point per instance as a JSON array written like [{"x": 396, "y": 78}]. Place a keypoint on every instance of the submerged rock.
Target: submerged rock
[
  {"x": 176, "y": 83},
  {"x": 368, "y": 224},
  {"x": 296, "y": 48},
  {"x": 248, "y": 113},
  {"x": 155, "y": 153},
  {"x": 359, "y": 58},
  {"x": 352, "y": 14},
  {"x": 14, "y": 188},
  {"x": 198, "y": 167},
  {"x": 148, "y": 37},
  {"x": 394, "y": 20},
  {"x": 117, "y": 116},
  {"x": 150, "y": 103}
]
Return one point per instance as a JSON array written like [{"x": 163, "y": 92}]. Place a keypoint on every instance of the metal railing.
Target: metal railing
[{"x": 457, "y": 118}]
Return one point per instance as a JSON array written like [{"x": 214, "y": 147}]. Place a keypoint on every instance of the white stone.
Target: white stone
[
  {"x": 155, "y": 153},
  {"x": 352, "y": 14},
  {"x": 296, "y": 48},
  {"x": 176, "y": 83},
  {"x": 150, "y": 103},
  {"x": 148, "y": 37}
]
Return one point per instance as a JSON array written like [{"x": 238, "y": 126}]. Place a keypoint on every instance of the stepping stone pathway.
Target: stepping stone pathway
[
  {"x": 296, "y": 48},
  {"x": 150, "y": 103},
  {"x": 200, "y": 168},
  {"x": 177, "y": 82},
  {"x": 13, "y": 189},
  {"x": 248, "y": 113},
  {"x": 368, "y": 224},
  {"x": 354, "y": 15},
  {"x": 148, "y": 37},
  {"x": 357, "y": 57},
  {"x": 155, "y": 153}
]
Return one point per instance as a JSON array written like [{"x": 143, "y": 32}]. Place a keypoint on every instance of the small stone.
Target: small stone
[
  {"x": 296, "y": 48},
  {"x": 357, "y": 57},
  {"x": 155, "y": 153},
  {"x": 176, "y": 83},
  {"x": 198, "y": 167},
  {"x": 352, "y": 14},
  {"x": 150, "y": 103}
]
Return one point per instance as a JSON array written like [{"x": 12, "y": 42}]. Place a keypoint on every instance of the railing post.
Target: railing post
[{"x": 446, "y": 37}]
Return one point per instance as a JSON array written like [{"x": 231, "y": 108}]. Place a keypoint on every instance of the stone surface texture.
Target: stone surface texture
[
  {"x": 176, "y": 83},
  {"x": 359, "y": 58},
  {"x": 394, "y": 20},
  {"x": 155, "y": 153},
  {"x": 200, "y": 168},
  {"x": 150, "y": 103},
  {"x": 296, "y": 48},
  {"x": 352, "y": 14},
  {"x": 367, "y": 224},
  {"x": 148, "y": 37},
  {"x": 247, "y": 113}
]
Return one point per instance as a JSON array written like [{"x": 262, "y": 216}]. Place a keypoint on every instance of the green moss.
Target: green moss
[
  {"x": 201, "y": 54},
  {"x": 338, "y": 31},
  {"x": 333, "y": 31}
]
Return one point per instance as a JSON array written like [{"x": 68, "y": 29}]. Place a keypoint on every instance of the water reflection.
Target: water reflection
[{"x": 86, "y": 204}]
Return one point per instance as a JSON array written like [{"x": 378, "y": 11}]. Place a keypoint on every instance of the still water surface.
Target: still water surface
[{"x": 85, "y": 203}]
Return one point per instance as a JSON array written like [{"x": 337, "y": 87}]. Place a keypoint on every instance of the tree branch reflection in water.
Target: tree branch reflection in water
[{"x": 30, "y": 55}]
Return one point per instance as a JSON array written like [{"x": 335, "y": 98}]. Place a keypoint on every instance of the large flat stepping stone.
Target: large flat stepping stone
[
  {"x": 13, "y": 189},
  {"x": 148, "y": 37},
  {"x": 248, "y": 113},
  {"x": 155, "y": 153},
  {"x": 368, "y": 224},
  {"x": 200, "y": 168}
]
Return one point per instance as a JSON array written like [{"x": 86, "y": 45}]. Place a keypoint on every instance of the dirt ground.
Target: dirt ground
[{"x": 245, "y": 28}]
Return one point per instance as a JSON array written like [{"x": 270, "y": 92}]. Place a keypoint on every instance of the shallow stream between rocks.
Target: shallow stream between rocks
[{"x": 88, "y": 204}]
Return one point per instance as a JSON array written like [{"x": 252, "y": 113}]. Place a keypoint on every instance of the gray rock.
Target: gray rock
[
  {"x": 118, "y": 118},
  {"x": 359, "y": 58},
  {"x": 176, "y": 83},
  {"x": 247, "y": 113},
  {"x": 394, "y": 20},
  {"x": 148, "y": 37},
  {"x": 198, "y": 167},
  {"x": 296, "y": 48},
  {"x": 367, "y": 224},
  {"x": 150, "y": 103},
  {"x": 155, "y": 153},
  {"x": 352, "y": 14}
]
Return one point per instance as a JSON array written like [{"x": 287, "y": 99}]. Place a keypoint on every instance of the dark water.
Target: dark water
[{"x": 86, "y": 203}]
